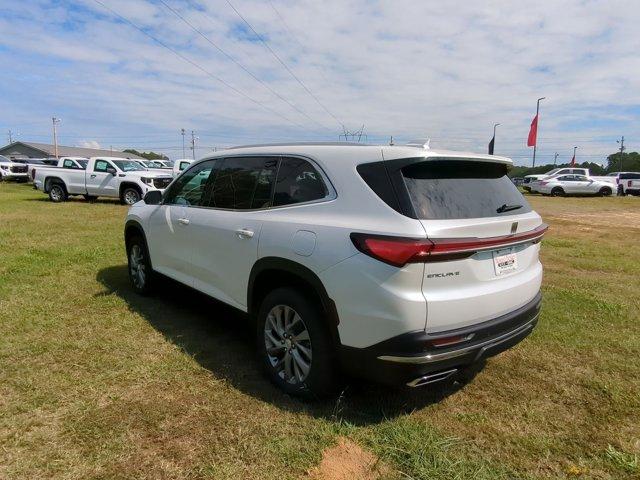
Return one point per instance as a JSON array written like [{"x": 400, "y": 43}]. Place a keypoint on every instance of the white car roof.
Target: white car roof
[{"x": 354, "y": 153}]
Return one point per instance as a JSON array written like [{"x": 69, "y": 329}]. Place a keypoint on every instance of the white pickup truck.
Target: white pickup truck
[
  {"x": 10, "y": 170},
  {"x": 103, "y": 177},
  {"x": 629, "y": 183},
  {"x": 73, "y": 163},
  {"x": 180, "y": 164},
  {"x": 556, "y": 172}
]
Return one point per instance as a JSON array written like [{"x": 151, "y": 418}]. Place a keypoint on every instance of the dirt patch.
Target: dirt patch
[{"x": 348, "y": 461}]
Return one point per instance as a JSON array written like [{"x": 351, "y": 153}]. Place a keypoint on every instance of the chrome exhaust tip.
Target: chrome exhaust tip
[{"x": 431, "y": 378}]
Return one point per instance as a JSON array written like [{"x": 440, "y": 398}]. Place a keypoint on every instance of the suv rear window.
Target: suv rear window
[
  {"x": 441, "y": 189},
  {"x": 629, "y": 176}
]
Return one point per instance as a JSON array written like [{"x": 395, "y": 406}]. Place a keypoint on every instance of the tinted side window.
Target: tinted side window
[
  {"x": 243, "y": 183},
  {"x": 298, "y": 181},
  {"x": 101, "y": 166},
  {"x": 189, "y": 188}
]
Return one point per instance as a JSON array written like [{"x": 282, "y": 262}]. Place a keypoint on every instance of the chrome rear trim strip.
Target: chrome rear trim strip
[{"x": 437, "y": 357}]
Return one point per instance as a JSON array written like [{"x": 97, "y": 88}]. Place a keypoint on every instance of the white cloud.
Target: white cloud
[
  {"x": 88, "y": 144},
  {"x": 447, "y": 70}
]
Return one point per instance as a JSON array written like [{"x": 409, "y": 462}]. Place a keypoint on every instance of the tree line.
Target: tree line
[
  {"x": 616, "y": 162},
  {"x": 148, "y": 156}
]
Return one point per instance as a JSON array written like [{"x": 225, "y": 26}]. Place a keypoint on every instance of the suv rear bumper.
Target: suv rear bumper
[{"x": 410, "y": 360}]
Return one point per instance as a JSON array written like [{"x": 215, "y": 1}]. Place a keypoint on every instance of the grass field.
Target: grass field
[{"x": 96, "y": 382}]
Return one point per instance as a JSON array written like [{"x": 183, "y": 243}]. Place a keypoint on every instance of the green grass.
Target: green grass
[{"x": 96, "y": 382}]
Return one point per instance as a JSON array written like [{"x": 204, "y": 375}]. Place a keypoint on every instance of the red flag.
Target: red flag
[
  {"x": 533, "y": 133},
  {"x": 573, "y": 161}
]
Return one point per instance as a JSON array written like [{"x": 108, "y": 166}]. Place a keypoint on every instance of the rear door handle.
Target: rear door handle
[
  {"x": 184, "y": 221},
  {"x": 93, "y": 176},
  {"x": 244, "y": 233}
]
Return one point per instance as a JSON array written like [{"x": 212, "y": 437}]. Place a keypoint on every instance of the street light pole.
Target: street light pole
[
  {"x": 494, "y": 136},
  {"x": 574, "y": 155},
  {"x": 55, "y": 121},
  {"x": 535, "y": 146},
  {"x": 555, "y": 159},
  {"x": 183, "y": 150},
  {"x": 621, "y": 142}
]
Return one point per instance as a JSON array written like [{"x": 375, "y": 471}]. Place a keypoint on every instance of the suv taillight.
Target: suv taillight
[
  {"x": 629, "y": 182},
  {"x": 398, "y": 251}
]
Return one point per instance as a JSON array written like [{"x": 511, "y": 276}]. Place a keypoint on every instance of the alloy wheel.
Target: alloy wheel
[
  {"x": 288, "y": 344},
  {"x": 131, "y": 197},
  {"x": 137, "y": 266},
  {"x": 56, "y": 193}
]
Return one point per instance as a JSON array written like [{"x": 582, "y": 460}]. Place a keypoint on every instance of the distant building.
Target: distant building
[{"x": 44, "y": 150}]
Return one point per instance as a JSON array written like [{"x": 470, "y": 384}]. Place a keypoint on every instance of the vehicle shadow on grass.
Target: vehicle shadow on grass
[{"x": 221, "y": 340}]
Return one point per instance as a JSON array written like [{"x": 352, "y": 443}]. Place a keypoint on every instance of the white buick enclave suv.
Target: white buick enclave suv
[{"x": 400, "y": 264}]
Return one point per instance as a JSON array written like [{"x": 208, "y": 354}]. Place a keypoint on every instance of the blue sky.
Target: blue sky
[{"x": 444, "y": 70}]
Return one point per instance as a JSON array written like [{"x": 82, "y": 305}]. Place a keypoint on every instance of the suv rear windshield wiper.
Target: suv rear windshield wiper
[{"x": 507, "y": 208}]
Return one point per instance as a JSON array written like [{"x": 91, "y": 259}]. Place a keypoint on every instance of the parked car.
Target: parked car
[
  {"x": 400, "y": 264},
  {"x": 103, "y": 177},
  {"x": 180, "y": 164},
  {"x": 573, "y": 185},
  {"x": 528, "y": 180},
  {"x": 629, "y": 183},
  {"x": 152, "y": 165},
  {"x": 10, "y": 170},
  {"x": 557, "y": 172}
]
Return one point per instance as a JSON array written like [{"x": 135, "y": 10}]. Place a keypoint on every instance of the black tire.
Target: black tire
[
  {"x": 321, "y": 379},
  {"x": 605, "y": 192},
  {"x": 557, "y": 192},
  {"x": 90, "y": 198},
  {"x": 141, "y": 275},
  {"x": 58, "y": 192},
  {"x": 130, "y": 195}
]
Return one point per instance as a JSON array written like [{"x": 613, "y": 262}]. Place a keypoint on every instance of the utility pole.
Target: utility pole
[
  {"x": 621, "y": 142},
  {"x": 55, "y": 121},
  {"x": 535, "y": 146},
  {"x": 183, "y": 151},
  {"x": 555, "y": 159},
  {"x": 10, "y": 136},
  {"x": 193, "y": 143}
]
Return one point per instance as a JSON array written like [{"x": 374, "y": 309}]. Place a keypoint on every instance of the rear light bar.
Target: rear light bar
[{"x": 398, "y": 251}]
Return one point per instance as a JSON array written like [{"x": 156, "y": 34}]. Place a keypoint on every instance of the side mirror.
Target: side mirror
[
  {"x": 111, "y": 170},
  {"x": 153, "y": 197}
]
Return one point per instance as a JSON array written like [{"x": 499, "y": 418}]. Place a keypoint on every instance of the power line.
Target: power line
[
  {"x": 275, "y": 55},
  {"x": 245, "y": 69},
  {"x": 202, "y": 69}
]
